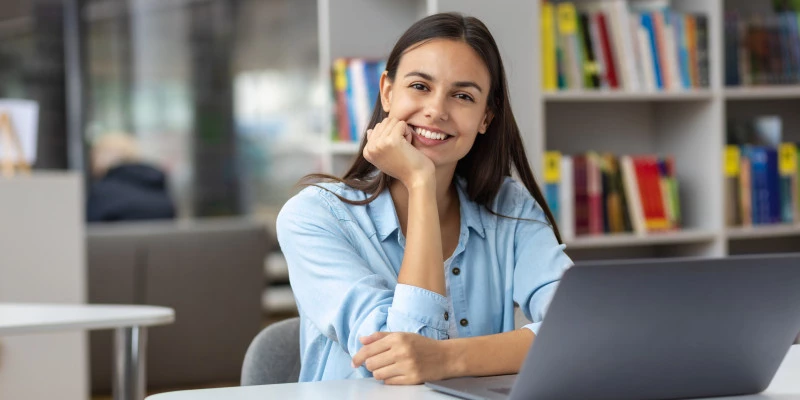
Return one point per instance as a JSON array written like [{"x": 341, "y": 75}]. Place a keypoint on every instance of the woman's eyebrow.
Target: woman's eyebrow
[{"x": 460, "y": 84}]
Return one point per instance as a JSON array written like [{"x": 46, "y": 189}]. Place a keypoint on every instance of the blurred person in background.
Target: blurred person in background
[{"x": 125, "y": 188}]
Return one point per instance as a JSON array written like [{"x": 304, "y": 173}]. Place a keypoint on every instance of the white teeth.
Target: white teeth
[{"x": 430, "y": 135}]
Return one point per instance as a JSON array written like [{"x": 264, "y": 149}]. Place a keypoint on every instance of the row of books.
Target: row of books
[
  {"x": 356, "y": 85},
  {"x": 593, "y": 194},
  {"x": 762, "y": 49},
  {"x": 610, "y": 44},
  {"x": 761, "y": 184}
]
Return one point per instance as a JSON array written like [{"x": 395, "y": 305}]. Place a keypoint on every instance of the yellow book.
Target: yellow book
[
  {"x": 552, "y": 167},
  {"x": 548, "y": 35}
]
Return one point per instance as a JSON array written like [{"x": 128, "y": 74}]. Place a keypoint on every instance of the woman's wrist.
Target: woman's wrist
[
  {"x": 420, "y": 181},
  {"x": 454, "y": 358}
]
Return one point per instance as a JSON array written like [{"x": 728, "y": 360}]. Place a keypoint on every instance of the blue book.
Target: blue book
[
  {"x": 759, "y": 194},
  {"x": 373, "y": 81},
  {"x": 773, "y": 186},
  {"x": 551, "y": 197},
  {"x": 647, "y": 23},
  {"x": 351, "y": 105},
  {"x": 683, "y": 51}
]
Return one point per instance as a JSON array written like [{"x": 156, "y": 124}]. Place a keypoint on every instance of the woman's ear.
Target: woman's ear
[
  {"x": 487, "y": 119},
  {"x": 386, "y": 91}
]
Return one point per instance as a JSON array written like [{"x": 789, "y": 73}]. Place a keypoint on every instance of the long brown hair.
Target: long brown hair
[{"x": 492, "y": 155}]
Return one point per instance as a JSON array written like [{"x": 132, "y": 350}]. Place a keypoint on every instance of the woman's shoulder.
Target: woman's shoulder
[
  {"x": 323, "y": 199},
  {"x": 513, "y": 195},
  {"x": 515, "y": 201}
]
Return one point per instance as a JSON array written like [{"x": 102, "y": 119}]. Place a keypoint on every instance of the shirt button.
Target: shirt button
[
  {"x": 464, "y": 322},
  {"x": 456, "y": 271},
  {"x": 446, "y": 316}
]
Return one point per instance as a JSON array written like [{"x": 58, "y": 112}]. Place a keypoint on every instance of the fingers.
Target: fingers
[
  {"x": 390, "y": 374},
  {"x": 409, "y": 133},
  {"x": 387, "y": 127},
  {"x": 379, "y": 361},
  {"x": 365, "y": 340},
  {"x": 370, "y": 350}
]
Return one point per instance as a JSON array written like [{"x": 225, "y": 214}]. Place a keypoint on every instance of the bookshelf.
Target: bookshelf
[
  {"x": 688, "y": 124},
  {"x": 774, "y": 92},
  {"x": 611, "y": 95}
]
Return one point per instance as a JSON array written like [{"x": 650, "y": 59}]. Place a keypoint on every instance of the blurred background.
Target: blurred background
[
  {"x": 210, "y": 90},
  {"x": 186, "y": 111}
]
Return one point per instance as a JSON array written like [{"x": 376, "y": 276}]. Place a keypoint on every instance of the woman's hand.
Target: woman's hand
[
  {"x": 389, "y": 149},
  {"x": 401, "y": 358}
]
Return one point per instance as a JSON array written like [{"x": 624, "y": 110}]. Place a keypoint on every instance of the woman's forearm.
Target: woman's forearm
[
  {"x": 422, "y": 261},
  {"x": 498, "y": 354}
]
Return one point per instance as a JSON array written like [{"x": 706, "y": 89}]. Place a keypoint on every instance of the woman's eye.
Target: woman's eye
[
  {"x": 464, "y": 96},
  {"x": 418, "y": 86}
]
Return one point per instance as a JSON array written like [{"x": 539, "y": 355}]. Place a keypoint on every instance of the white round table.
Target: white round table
[{"x": 128, "y": 321}]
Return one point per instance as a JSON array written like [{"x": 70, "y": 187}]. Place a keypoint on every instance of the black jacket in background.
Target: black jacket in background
[{"x": 130, "y": 192}]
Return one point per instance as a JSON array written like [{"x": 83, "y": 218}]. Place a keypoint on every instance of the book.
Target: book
[
  {"x": 649, "y": 182},
  {"x": 566, "y": 198},
  {"x": 568, "y": 42},
  {"x": 552, "y": 179},
  {"x": 548, "y": 34},
  {"x": 581, "y": 194},
  {"x": 787, "y": 168},
  {"x": 732, "y": 186},
  {"x": 632, "y": 191},
  {"x": 594, "y": 193}
]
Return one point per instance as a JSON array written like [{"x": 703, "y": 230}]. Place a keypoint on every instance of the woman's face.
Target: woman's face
[{"x": 440, "y": 89}]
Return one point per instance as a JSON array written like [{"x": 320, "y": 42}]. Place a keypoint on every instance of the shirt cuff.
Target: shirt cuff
[
  {"x": 534, "y": 327},
  {"x": 424, "y": 306}
]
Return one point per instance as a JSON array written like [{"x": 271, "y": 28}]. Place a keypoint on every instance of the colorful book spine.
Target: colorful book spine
[
  {"x": 552, "y": 180},
  {"x": 548, "y": 34}
]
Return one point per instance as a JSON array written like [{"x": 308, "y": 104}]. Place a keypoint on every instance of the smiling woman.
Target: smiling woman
[{"x": 408, "y": 267}]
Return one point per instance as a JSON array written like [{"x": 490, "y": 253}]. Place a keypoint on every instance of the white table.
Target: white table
[
  {"x": 785, "y": 386},
  {"x": 128, "y": 321}
]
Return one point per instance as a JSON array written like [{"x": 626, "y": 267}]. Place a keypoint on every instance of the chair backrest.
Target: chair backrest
[{"x": 273, "y": 355}]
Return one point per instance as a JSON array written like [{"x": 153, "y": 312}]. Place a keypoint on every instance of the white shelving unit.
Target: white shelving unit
[{"x": 687, "y": 124}]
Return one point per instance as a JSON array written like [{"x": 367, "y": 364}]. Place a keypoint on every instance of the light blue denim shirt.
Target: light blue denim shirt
[{"x": 344, "y": 260}]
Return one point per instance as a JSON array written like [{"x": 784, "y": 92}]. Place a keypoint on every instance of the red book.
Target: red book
[
  {"x": 579, "y": 173},
  {"x": 594, "y": 191},
  {"x": 649, "y": 181},
  {"x": 608, "y": 54}
]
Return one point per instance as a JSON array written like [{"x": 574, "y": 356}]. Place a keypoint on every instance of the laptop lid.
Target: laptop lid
[
  {"x": 665, "y": 328},
  {"x": 657, "y": 329}
]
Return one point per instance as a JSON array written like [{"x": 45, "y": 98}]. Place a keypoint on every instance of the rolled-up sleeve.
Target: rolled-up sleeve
[
  {"x": 344, "y": 295},
  {"x": 539, "y": 262}
]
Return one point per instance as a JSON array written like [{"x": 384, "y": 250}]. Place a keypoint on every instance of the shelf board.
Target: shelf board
[
  {"x": 763, "y": 92},
  {"x": 344, "y": 148},
  {"x": 763, "y": 231},
  {"x": 608, "y": 95},
  {"x": 634, "y": 240}
]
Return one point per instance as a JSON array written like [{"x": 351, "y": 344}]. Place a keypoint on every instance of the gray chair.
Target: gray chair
[
  {"x": 273, "y": 355},
  {"x": 203, "y": 269}
]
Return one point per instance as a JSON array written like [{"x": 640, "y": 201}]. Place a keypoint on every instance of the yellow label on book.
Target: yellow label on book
[
  {"x": 552, "y": 167},
  {"x": 567, "y": 19},
  {"x": 340, "y": 74},
  {"x": 732, "y": 161},
  {"x": 787, "y": 158}
]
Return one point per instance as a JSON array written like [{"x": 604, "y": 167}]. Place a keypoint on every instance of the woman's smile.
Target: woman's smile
[{"x": 430, "y": 136}]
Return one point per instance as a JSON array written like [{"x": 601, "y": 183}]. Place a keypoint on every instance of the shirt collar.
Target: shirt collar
[
  {"x": 470, "y": 211},
  {"x": 384, "y": 215}
]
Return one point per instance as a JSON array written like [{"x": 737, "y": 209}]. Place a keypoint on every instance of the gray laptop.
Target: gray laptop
[{"x": 657, "y": 329}]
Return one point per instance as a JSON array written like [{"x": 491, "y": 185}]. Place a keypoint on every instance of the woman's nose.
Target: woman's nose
[{"x": 436, "y": 108}]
